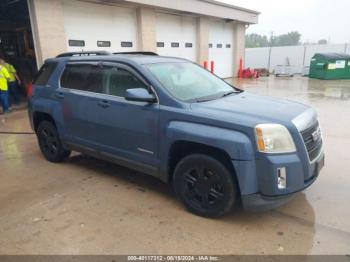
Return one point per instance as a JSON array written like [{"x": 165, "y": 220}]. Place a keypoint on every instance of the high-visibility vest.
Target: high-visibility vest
[
  {"x": 4, "y": 77},
  {"x": 12, "y": 71}
]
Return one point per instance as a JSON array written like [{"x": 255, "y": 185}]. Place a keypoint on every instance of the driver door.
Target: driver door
[{"x": 125, "y": 129}]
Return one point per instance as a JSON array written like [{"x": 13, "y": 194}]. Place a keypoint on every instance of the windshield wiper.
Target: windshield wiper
[
  {"x": 217, "y": 97},
  {"x": 205, "y": 100},
  {"x": 230, "y": 93}
]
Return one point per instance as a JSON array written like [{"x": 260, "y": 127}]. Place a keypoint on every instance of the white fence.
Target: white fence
[{"x": 298, "y": 56}]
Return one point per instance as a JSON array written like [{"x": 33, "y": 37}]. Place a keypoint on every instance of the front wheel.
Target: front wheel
[
  {"x": 50, "y": 143},
  {"x": 205, "y": 185}
]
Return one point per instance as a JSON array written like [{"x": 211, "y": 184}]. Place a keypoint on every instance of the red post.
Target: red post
[
  {"x": 206, "y": 64},
  {"x": 212, "y": 67}
]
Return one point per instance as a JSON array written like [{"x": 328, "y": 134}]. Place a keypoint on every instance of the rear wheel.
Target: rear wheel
[
  {"x": 50, "y": 143},
  {"x": 205, "y": 185}
]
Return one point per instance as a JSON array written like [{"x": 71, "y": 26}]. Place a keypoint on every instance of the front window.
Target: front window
[{"x": 189, "y": 82}]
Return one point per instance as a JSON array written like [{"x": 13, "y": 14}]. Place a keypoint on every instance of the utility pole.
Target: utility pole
[{"x": 271, "y": 44}]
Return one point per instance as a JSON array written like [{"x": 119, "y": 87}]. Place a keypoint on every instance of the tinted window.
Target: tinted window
[
  {"x": 175, "y": 45},
  {"x": 44, "y": 74},
  {"x": 120, "y": 80},
  {"x": 83, "y": 77},
  {"x": 219, "y": 45},
  {"x": 188, "y": 45},
  {"x": 160, "y": 44}
]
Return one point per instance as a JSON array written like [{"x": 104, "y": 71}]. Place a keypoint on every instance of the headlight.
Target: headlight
[{"x": 274, "y": 138}]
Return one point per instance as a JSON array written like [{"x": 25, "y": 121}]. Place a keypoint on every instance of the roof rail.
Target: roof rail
[
  {"x": 84, "y": 53},
  {"x": 136, "y": 53}
]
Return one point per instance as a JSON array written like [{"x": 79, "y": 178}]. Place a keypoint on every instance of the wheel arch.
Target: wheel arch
[
  {"x": 230, "y": 146},
  {"x": 182, "y": 148},
  {"x": 38, "y": 117}
]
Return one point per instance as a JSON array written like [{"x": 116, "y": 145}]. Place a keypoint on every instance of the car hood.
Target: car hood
[{"x": 251, "y": 109}]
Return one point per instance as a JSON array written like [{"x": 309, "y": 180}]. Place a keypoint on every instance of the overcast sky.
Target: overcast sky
[{"x": 314, "y": 19}]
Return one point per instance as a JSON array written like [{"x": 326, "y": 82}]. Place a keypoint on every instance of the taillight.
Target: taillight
[{"x": 29, "y": 90}]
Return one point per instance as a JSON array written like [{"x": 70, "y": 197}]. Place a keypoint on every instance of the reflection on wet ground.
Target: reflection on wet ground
[
  {"x": 299, "y": 86},
  {"x": 88, "y": 206}
]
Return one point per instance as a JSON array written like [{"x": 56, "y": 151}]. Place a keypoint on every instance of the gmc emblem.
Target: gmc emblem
[{"x": 316, "y": 135}]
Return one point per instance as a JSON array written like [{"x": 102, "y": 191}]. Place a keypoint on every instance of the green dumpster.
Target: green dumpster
[{"x": 330, "y": 66}]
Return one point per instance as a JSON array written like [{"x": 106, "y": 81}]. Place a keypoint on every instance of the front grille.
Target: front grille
[{"x": 313, "y": 144}]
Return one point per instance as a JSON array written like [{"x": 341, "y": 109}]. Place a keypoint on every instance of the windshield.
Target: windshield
[{"x": 189, "y": 82}]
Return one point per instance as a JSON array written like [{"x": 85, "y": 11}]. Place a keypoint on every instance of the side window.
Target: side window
[
  {"x": 120, "y": 80},
  {"x": 44, "y": 74},
  {"x": 83, "y": 77}
]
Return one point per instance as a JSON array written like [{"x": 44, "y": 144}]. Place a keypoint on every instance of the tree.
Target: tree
[
  {"x": 292, "y": 38},
  {"x": 322, "y": 42},
  {"x": 256, "y": 40}
]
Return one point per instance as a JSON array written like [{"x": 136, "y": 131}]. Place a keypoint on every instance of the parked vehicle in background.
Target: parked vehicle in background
[
  {"x": 168, "y": 117},
  {"x": 284, "y": 70}
]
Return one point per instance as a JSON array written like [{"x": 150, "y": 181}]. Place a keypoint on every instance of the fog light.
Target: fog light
[{"x": 281, "y": 178}]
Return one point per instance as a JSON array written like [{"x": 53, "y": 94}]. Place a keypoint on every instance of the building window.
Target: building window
[
  {"x": 76, "y": 43},
  {"x": 219, "y": 45},
  {"x": 126, "y": 44},
  {"x": 228, "y": 46},
  {"x": 104, "y": 43},
  {"x": 188, "y": 45},
  {"x": 175, "y": 45},
  {"x": 210, "y": 45},
  {"x": 160, "y": 44}
]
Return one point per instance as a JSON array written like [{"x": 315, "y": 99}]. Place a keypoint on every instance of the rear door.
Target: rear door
[{"x": 81, "y": 83}]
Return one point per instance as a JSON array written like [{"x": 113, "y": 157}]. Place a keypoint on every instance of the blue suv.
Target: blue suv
[{"x": 168, "y": 117}]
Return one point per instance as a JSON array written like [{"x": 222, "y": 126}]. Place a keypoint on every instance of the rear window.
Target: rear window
[
  {"x": 44, "y": 74},
  {"x": 85, "y": 77}
]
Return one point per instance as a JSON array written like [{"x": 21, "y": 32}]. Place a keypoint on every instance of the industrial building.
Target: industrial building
[{"x": 198, "y": 30}]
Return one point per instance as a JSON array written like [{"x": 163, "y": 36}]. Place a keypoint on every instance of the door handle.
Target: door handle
[
  {"x": 59, "y": 95},
  {"x": 103, "y": 104}
]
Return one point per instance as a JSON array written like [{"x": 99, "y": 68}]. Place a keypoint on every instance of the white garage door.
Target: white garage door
[
  {"x": 176, "y": 36},
  {"x": 99, "y": 27},
  {"x": 220, "y": 47}
]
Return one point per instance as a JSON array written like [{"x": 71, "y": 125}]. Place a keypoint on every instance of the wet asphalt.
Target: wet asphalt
[{"x": 88, "y": 206}]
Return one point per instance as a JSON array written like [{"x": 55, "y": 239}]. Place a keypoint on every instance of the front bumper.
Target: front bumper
[
  {"x": 267, "y": 194},
  {"x": 258, "y": 202}
]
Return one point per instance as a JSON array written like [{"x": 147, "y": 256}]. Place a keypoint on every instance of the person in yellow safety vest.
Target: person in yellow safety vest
[
  {"x": 4, "y": 94},
  {"x": 12, "y": 84}
]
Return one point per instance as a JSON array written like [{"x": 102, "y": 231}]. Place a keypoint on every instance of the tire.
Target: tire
[
  {"x": 50, "y": 144},
  {"x": 205, "y": 186}
]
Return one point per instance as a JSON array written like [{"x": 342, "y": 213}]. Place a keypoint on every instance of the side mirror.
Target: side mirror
[{"x": 140, "y": 95}]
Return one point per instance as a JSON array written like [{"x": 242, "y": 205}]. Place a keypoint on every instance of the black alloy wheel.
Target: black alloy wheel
[
  {"x": 205, "y": 185},
  {"x": 50, "y": 143}
]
